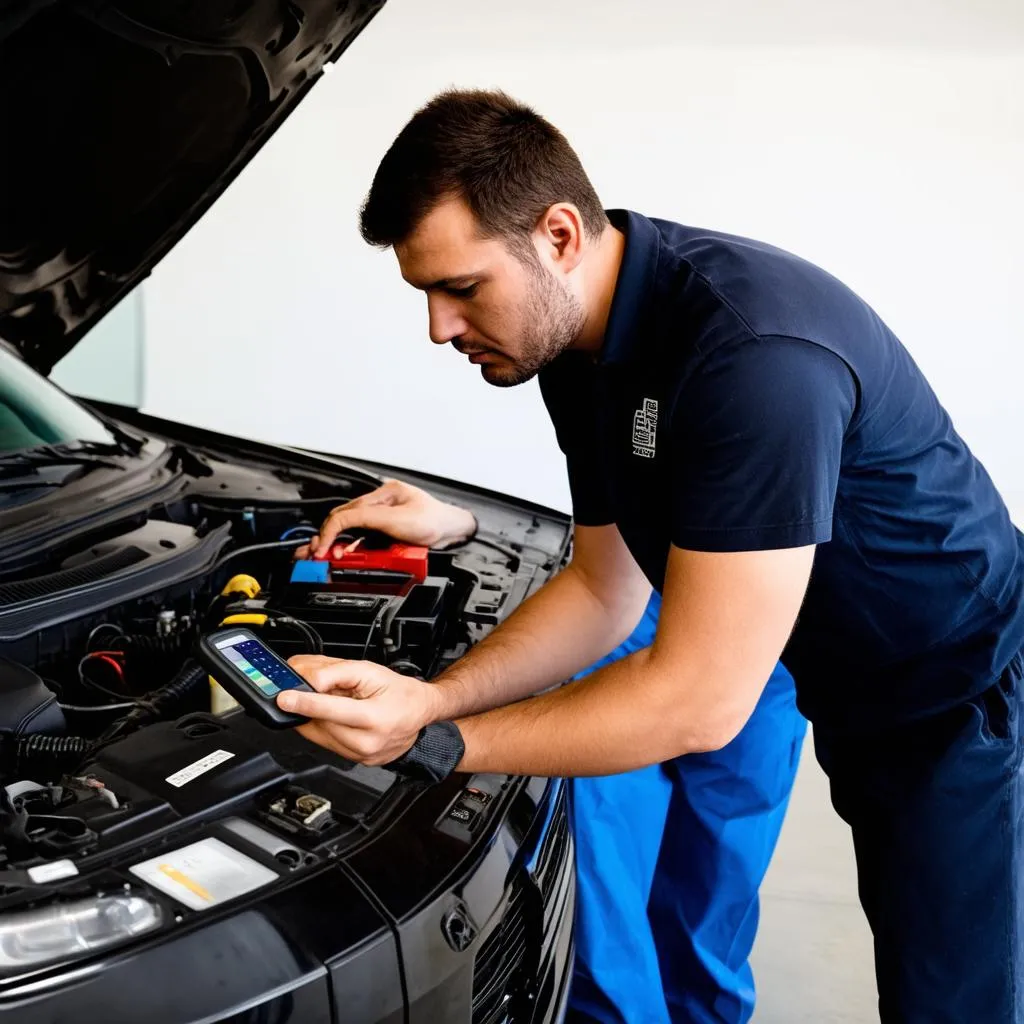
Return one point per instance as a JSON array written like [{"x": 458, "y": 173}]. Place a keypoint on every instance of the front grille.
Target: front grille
[
  {"x": 506, "y": 969},
  {"x": 554, "y": 850},
  {"x": 498, "y": 973}
]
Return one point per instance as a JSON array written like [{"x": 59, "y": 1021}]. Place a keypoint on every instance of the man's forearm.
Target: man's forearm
[
  {"x": 553, "y": 635},
  {"x": 725, "y": 621},
  {"x": 627, "y": 715}
]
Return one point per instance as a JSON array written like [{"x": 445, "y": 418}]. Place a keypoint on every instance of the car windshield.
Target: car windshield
[{"x": 34, "y": 412}]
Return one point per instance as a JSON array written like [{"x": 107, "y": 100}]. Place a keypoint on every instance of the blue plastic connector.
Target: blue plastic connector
[{"x": 308, "y": 571}]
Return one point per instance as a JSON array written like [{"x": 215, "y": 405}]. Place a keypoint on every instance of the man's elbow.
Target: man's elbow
[
  {"x": 715, "y": 728},
  {"x": 708, "y": 739},
  {"x": 702, "y": 708}
]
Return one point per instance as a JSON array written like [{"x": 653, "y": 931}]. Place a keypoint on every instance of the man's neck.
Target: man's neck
[{"x": 603, "y": 265}]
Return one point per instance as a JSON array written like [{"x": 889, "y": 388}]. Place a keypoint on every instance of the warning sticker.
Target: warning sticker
[
  {"x": 43, "y": 873},
  {"x": 204, "y": 874},
  {"x": 197, "y": 768}
]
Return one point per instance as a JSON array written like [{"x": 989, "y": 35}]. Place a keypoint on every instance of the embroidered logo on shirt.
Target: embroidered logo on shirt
[{"x": 645, "y": 427}]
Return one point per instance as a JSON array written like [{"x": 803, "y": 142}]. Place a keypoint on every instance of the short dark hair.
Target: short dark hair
[{"x": 505, "y": 161}]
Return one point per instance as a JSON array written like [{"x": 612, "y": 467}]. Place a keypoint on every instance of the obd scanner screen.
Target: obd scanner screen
[{"x": 262, "y": 669}]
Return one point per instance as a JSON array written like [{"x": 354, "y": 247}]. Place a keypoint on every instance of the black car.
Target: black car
[{"x": 164, "y": 857}]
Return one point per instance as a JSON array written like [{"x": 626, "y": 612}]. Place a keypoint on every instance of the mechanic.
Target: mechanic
[
  {"x": 669, "y": 858},
  {"x": 744, "y": 434}
]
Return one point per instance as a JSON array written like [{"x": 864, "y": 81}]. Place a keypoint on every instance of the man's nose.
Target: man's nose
[{"x": 445, "y": 321}]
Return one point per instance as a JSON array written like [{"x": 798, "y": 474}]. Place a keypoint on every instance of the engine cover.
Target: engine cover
[{"x": 201, "y": 766}]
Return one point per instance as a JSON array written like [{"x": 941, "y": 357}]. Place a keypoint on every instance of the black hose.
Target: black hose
[
  {"x": 156, "y": 704},
  {"x": 182, "y": 685},
  {"x": 40, "y": 755},
  {"x": 144, "y": 651},
  {"x": 143, "y": 643}
]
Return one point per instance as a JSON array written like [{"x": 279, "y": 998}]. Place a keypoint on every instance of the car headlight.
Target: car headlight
[{"x": 58, "y": 932}]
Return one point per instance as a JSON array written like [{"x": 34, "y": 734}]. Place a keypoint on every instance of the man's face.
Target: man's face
[{"x": 509, "y": 313}]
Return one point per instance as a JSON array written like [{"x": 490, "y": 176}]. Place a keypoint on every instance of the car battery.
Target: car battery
[{"x": 363, "y": 560}]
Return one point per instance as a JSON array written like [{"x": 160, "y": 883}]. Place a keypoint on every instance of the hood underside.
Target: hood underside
[{"x": 123, "y": 122}]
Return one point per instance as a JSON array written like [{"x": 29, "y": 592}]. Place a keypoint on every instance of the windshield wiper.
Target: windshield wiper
[
  {"x": 126, "y": 443},
  {"x": 84, "y": 454},
  {"x": 25, "y": 484}
]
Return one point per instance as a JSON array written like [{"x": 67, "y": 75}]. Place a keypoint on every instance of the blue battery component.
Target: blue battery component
[{"x": 308, "y": 571}]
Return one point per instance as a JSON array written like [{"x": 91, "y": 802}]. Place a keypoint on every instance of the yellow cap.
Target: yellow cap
[
  {"x": 244, "y": 618},
  {"x": 241, "y": 584}
]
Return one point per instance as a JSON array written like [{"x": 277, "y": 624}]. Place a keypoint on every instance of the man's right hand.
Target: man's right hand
[
  {"x": 400, "y": 510},
  {"x": 361, "y": 710}
]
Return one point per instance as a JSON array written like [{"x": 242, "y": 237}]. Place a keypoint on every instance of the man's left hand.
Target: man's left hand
[{"x": 361, "y": 710}]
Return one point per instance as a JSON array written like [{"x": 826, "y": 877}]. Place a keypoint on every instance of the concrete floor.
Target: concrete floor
[{"x": 812, "y": 961}]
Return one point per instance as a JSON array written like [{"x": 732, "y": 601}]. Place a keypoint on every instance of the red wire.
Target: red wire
[{"x": 110, "y": 657}]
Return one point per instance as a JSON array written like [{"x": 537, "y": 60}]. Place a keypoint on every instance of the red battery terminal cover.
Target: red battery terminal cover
[{"x": 407, "y": 558}]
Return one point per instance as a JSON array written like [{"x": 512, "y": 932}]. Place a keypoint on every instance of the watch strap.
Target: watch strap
[{"x": 435, "y": 754}]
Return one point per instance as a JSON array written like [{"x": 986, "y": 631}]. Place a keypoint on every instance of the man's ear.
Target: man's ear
[{"x": 560, "y": 236}]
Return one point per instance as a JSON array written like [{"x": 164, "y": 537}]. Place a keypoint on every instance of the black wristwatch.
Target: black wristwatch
[{"x": 435, "y": 754}]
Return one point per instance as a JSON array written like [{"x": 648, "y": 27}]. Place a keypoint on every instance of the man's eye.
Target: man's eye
[{"x": 463, "y": 293}]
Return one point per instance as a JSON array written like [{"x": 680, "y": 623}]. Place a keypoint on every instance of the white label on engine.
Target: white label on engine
[
  {"x": 197, "y": 768},
  {"x": 43, "y": 873},
  {"x": 204, "y": 874}
]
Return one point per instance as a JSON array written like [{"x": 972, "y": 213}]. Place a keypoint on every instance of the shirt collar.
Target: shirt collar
[{"x": 633, "y": 288}]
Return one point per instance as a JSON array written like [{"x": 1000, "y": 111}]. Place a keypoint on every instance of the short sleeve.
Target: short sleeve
[
  {"x": 567, "y": 387},
  {"x": 756, "y": 446}
]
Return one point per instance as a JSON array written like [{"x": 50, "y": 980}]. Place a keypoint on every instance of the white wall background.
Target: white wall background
[
  {"x": 107, "y": 362},
  {"x": 884, "y": 141}
]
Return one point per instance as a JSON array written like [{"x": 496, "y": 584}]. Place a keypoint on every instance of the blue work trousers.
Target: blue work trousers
[
  {"x": 669, "y": 860},
  {"x": 936, "y": 807}
]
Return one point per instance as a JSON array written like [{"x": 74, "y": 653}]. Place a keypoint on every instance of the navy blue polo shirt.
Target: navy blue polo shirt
[{"x": 745, "y": 399}]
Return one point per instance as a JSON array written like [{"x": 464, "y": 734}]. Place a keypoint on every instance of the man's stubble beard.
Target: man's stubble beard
[{"x": 553, "y": 318}]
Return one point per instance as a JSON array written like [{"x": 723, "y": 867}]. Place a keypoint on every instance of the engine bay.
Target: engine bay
[{"x": 111, "y": 734}]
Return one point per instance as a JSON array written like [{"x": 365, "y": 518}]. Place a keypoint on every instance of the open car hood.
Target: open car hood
[{"x": 123, "y": 122}]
